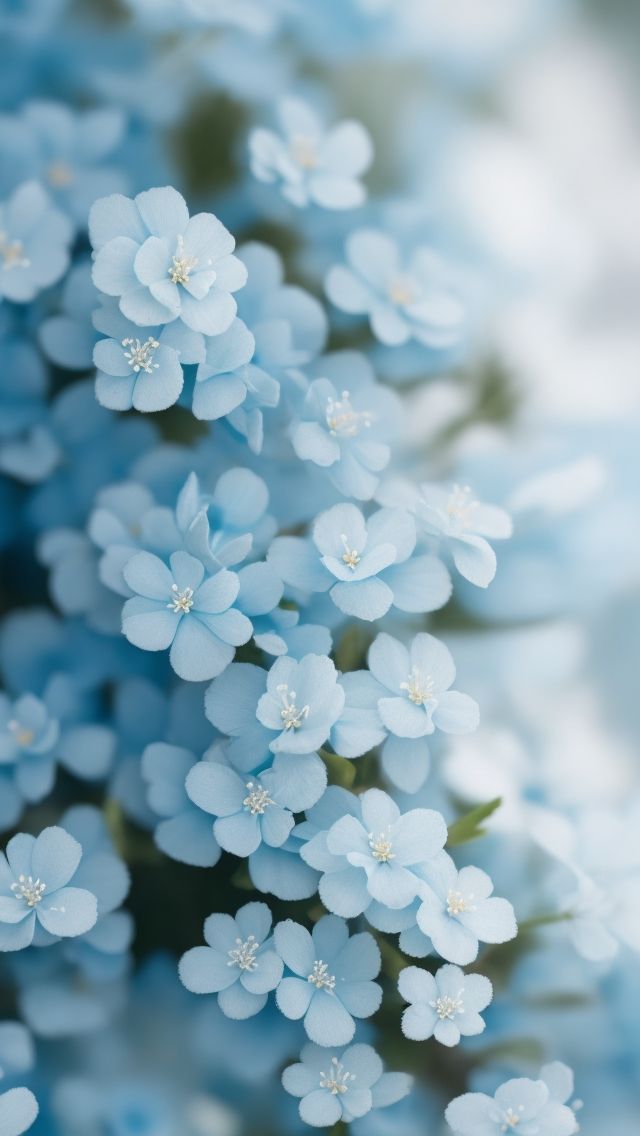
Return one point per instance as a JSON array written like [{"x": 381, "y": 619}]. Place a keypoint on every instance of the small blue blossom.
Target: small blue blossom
[
  {"x": 403, "y": 301},
  {"x": 228, "y": 385},
  {"x": 310, "y": 164},
  {"x": 302, "y": 701},
  {"x": 221, "y": 528},
  {"x": 139, "y": 368},
  {"x": 35, "y": 899},
  {"x": 180, "y": 609},
  {"x": 457, "y": 910},
  {"x": 366, "y": 566},
  {"x": 521, "y": 1103},
  {"x": 18, "y": 1106},
  {"x": 463, "y": 525},
  {"x": 346, "y": 431},
  {"x": 331, "y": 978},
  {"x": 185, "y": 831},
  {"x": 34, "y": 243},
  {"x": 28, "y": 737},
  {"x": 377, "y": 857},
  {"x": 247, "y": 811},
  {"x": 239, "y": 964},
  {"x": 409, "y": 692},
  {"x": 342, "y": 1086},
  {"x": 445, "y": 1005},
  {"x": 64, "y": 149},
  {"x": 161, "y": 264}
]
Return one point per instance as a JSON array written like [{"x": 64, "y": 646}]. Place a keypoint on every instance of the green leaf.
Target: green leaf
[
  {"x": 469, "y": 826},
  {"x": 340, "y": 770}
]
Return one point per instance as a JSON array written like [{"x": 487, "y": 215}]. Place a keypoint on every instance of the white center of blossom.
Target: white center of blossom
[
  {"x": 292, "y": 718},
  {"x": 402, "y": 291},
  {"x": 446, "y": 1008},
  {"x": 381, "y": 847},
  {"x": 342, "y": 419},
  {"x": 461, "y": 506},
  {"x": 337, "y": 1079},
  {"x": 457, "y": 903},
  {"x": 419, "y": 687},
  {"x": 60, "y": 175},
  {"x": 29, "y": 890},
  {"x": 511, "y": 1119},
  {"x": 350, "y": 556},
  {"x": 304, "y": 151},
  {"x": 140, "y": 355},
  {"x": 12, "y": 253},
  {"x": 257, "y": 799},
  {"x": 22, "y": 735},
  {"x": 243, "y": 955},
  {"x": 320, "y": 977},
  {"x": 182, "y": 601},
  {"x": 181, "y": 266}
]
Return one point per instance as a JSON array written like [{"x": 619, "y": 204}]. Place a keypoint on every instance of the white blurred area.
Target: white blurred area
[{"x": 549, "y": 184}]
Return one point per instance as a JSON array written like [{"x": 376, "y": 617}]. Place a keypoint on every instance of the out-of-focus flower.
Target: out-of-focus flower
[
  {"x": 415, "y": 300},
  {"x": 34, "y": 243},
  {"x": 311, "y": 164}
]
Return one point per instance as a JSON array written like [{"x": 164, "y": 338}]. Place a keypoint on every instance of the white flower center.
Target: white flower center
[
  {"x": 182, "y": 601},
  {"x": 320, "y": 977},
  {"x": 446, "y": 1008},
  {"x": 181, "y": 266},
  {"x": 402, "y": 291},
  {"x": 461, "y": 506},
  {"x": 22, "y": 735},
  {"x": 457, "y": 903},
  {"x": 243, "y": 955},
  {"x": 12, "y": 253},
  {"x": 381, "y": 847},
  {"x": 342, "y": 420},
  {"x": 29, "y": 890},
  {"x": 257, "y": 799},
  {"x": 419, "y": 687},
  {"x": 60, "y": 175},
  {"x": 510, "y": 1119},
  {"x": 140, "y": 355},
  {"x": 292, "y": 718},
  {"x": 304, "y": 152},
  {"x": 350, "y": 556},
  {"x": 337, "y": 1079}
]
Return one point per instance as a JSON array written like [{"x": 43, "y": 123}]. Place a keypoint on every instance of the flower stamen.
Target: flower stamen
[
  {"x": 320, "y": 977},
  {"x": 419, "y": 688},
  {"x": 181, "y": 266},
  {"x": 258, "y": 799},
  {"x": 381, "y": 847},
  {"x": 342, "y": 419},
  {"x": 140, "y": 355},
  {"x": 350, "y": 557},
  {"x": 243, "y": 955},
  {"x": 292, "y": 718},
  {"x": 337, "y": 1079},
  {"x": 29, "y": 890},
  {"x": 12, "y": 253},
  {"x": 182, "y": 601}
]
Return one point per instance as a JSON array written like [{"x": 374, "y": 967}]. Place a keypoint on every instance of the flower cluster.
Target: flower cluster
[{"x": 279, "y": 646}]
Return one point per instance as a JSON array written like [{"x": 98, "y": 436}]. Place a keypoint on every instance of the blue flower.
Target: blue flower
[
  {"x": 233, "y": 703},
  {"x": 240, "y": 964},
  {"x": 139, "y": 369},
  {"x": 460, "y": 522},
  {"x": 247, "y": 811},
  {"x": 64, "y": 149},
  {"x": 29, "y": 734},
  {"x": 445, "y": 1005},
  {"x": 521, "y": 1103},
  {"x": 302, "y": 701},
  {"x": 403, "y": 301},
  {"x": 377, "y": 858},
  {"x": 346, "y": 431},
  {"x": 412, "y": 698},
  {"x": 162, "y": 265},
  {"x": 34, "y": 243},
  {"x": 18, "y": 1106},
  {"x": 312, "y": 166},
  {"x": 331, "y": 980},
  {"x": 457, "y": 910},
  {"x": 185, "y": 832},
  {"x": 223, "y": 527},
  {"x": 342, "y": 1086},
  {"x": 366, "y": 566},
  {"x": 228, "y": 385},
  {"x": 34, "y": 892},
  {"x": 178, "y": 608}
]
